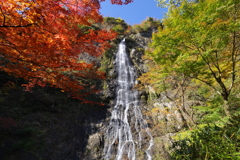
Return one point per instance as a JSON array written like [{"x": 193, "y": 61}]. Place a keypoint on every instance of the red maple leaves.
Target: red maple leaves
[{"x": 41, "y": 41}]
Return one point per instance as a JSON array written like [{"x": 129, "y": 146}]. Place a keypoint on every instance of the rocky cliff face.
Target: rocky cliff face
[
  {"x": 136, "y": 42},
  {"x": 167, "y": 117},
  {"x": 47, "y": 125}
]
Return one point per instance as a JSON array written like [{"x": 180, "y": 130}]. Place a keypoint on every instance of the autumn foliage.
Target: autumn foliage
[
  {"x": 41, "y": 41},
  {"x": 120, "y": 2}
]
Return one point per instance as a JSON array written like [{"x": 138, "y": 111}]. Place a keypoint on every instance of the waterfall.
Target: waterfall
[{"x": 127, "y": 136}]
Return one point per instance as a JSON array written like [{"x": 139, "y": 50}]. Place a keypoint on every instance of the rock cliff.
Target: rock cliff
[{"x": 47, "y": 125}]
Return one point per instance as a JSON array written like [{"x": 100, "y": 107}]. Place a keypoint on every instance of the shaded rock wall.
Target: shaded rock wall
[
  {"x": 164, "y": 116},
  {"x": 49, "y": 126},
  {"x": 172, "y": 120}
]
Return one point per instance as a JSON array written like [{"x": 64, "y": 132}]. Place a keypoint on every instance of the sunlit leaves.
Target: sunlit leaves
[
  {"x": 200, "y": 40},
  {"x": 41, "y": 41},
  {"x": 197, "y": 39}
]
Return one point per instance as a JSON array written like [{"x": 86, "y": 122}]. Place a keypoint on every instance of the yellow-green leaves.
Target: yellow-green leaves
[{"x": 201, "y": 41}]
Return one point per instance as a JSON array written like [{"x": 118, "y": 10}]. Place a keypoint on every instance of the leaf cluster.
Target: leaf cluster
[
  {"x": 116, "y": 24},
  {"x": 200, "y": 40},
  {"x": 41, "y": 42},
  {"x": 146, "y": 25},
  {"x": 210, "y": 142}
]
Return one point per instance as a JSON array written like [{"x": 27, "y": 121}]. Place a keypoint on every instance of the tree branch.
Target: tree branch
[
  {"x": 18, "y": 26},
  {"x": 4, "y": 17}
]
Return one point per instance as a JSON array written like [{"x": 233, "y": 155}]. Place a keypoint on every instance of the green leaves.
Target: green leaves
[
  {"x": 196, "y": 55},
  {"x": 199, "y": 40},
  {"x": 209, "y": 142}
]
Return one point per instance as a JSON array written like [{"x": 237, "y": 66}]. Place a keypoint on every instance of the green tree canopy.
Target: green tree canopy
[{"x": 201, "y": 41}]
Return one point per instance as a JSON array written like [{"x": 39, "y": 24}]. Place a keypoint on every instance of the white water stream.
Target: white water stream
[{"x": 127, "y": 136}]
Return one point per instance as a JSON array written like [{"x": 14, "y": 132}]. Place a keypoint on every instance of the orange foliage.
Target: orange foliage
[
  {"x": 120, "y": 2},
  {"x": 40, "y": 40}
]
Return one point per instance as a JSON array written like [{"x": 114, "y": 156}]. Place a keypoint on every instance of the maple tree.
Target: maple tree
[
  {"x": 41, "y": 40},
  {"x": 201, "y": 41}
]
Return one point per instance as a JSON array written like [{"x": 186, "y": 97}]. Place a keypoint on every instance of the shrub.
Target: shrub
[
  {"x": 119, "y": 29},
  {"x": 210, "y": 142}
]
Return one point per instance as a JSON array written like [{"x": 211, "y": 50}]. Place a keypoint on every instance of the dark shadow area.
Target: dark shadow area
[{"x": 45, "y": 124}]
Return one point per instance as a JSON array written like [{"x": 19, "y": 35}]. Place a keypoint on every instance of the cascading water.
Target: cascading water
[{"x": 127, "y": 136}]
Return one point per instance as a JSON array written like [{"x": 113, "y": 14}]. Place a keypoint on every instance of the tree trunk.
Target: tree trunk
[{"x": 226, "y": 108}]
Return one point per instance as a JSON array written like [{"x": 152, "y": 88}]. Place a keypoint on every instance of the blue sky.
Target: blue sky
[{"x": 133, "y": 13}]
